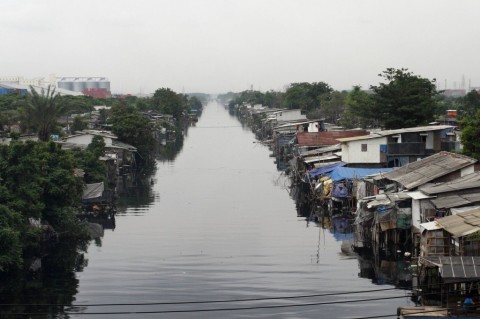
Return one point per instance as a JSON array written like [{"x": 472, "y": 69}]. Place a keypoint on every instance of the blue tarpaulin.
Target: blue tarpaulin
[
  {"x": 325, "y": 169},
  {"x": 340, "y": 173}
]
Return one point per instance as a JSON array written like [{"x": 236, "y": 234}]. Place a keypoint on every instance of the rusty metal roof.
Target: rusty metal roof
[
  {"x": 465, "y": 182},
  {"x": 325, "y": 138},
  {"x": 427, "y": 169},
  {"x": 461, "y": 224},
  {"x": 455, "y": 268}
]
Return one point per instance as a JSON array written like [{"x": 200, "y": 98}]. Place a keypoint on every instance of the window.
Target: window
[{"x": 364, "y": 147}]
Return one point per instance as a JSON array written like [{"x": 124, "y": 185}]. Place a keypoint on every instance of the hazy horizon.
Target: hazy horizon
[{"x": 216, "y": 46}]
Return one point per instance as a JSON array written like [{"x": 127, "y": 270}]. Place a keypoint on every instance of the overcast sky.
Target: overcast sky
[{"x": 215, "y": 46}]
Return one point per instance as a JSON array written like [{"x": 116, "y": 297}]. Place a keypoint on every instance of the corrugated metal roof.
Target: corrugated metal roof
[
  {"x": 428, "y": 169},
  {"x": 450, "y": 201},
  {"x": 455, "y": 268},
  {"x": 322, "y": 150},
  {"x": 399, "y": 131},
  {"x": 456, "y": 200},
  {"x": 464, "y": 182},
  {"x": 295, "y": 123},
  {"x": 461, "y": 224},
  {"x": 313, "y": 159},
  {"x": 325, "y": 138}
]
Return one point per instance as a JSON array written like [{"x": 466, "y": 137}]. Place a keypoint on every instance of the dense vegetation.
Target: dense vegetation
[
  {"x": 37, "y": 183},
  {"x": 40, "y": 195}
]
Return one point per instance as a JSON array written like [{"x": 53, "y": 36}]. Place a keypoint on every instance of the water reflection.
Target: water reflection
[
  {"x": 217, "y": 223},
  {"x": 53, "y": 285},
  {"x": 379, "y": 268}
]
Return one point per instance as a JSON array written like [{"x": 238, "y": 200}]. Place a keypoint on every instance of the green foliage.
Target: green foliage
[
  {"x": 10, "y": 249},
  {"x": 194, "y": 103},
  {"x": 167, "y": 101},
  {"x": 77, "y": 104},
  {"x": 142, "y": 104},
  {"x": 36, "y": 180},
  {"x": 470, "y": 105},
  {"x": 104, "y": 113},
  {"x": 40, "y": 177},
  {"x": 42, "y": 111},
  {"x": 470, "y": 135},
  {"x": 133, "y": 128},
  {"x": 305, "y": 96},
  {"x": 332, "y": 106},
  {"x": 406, "y": 100},
  {"x": 273, "y": 99},
  {"x": 358, "y": 112},
  {"x": 88, "y": 160},
  {"x": 79, "y": 124}
]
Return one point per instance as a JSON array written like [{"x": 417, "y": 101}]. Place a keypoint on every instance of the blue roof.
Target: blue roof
[
  {"x": 340, "y": 173},
  {"x": 325, "y": 169}
]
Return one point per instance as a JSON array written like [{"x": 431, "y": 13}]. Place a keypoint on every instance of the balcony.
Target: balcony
[{"x": 404, "y": 149}]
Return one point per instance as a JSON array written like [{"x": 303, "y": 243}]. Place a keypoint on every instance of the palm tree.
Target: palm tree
[{"x": 42, "y": 111}]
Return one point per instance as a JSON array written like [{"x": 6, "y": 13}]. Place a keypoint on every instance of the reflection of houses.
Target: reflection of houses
[{"x": 395, "y": 148}]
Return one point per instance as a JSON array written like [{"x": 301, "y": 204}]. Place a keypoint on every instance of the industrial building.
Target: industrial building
[{"x": 98, "y": 87}]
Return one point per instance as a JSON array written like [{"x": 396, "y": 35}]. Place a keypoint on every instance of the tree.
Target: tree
[
  {"x": 89, "y": 160},
  {"x": 42, "y": 111},
  {"x": 273, "y": 99},
  {"x": 359, "y": 110},
  {"x": 194, "y": 103},
  {"x": 135, "y": 129},
  {"x": 332, "y": 105},
  {"x": 471, "y": 104},
  {"x": 305, "y": 96},
  {"x": 470, "y": 135},
  {"x": 169, "y": 102},
  {"x": 78, "y": 124},
  {"x": 406, "y": 100},
  {"x": 36, "y": 180}
]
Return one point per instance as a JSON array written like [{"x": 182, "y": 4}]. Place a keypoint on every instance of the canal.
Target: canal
[{"x": 216, "y": 231}]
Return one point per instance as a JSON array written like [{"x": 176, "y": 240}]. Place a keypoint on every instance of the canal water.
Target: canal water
[{"x": 215, "y": 231}]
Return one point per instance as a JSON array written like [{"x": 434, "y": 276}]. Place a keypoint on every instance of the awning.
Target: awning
[
  {"x": 418, "y": 195},
  {"x": 325, "y": 169},
  {"x": 93, "y": 191},
  {"x": 430, "y": 226},
  {"x": 455, "y": 268}
]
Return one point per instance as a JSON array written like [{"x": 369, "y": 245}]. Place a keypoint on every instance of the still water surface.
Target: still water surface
[{"x": 219, "y": 224}]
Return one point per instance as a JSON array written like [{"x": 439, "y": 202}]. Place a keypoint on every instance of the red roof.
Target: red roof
[{"x": 325, "y": 138}]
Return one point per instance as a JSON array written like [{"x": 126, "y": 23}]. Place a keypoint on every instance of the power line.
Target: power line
[
  {"x": 216, "y": 309},
  {"x": 206, "y": 302}
]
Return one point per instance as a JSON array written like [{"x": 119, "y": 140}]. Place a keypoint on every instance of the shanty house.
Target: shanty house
[
  {"x": 396, "y": 148},
  {"x": 440, "y": 167}
]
